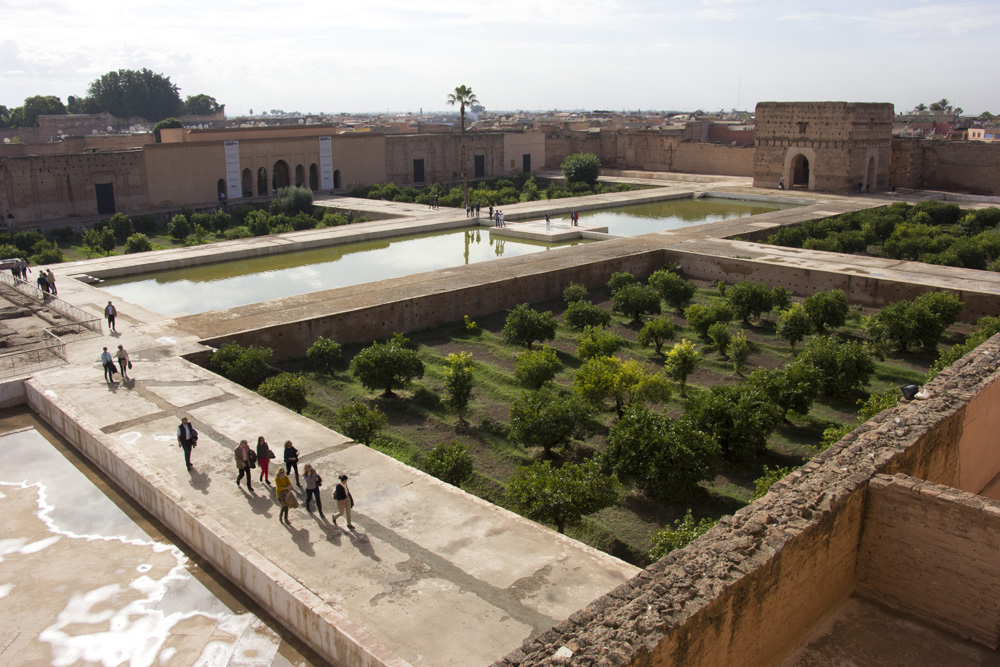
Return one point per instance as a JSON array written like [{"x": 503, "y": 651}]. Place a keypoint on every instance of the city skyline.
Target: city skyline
[{"x": 389, "y": 56}]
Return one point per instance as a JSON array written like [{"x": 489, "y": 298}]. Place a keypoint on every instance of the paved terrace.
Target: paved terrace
[{"x": 430, "y": 575}]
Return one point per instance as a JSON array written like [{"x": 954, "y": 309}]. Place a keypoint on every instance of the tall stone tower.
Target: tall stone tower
[{"x": 824, "y": 146}]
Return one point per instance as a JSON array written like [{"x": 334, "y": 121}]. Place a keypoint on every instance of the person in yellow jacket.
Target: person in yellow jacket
[{"x": 283, "y": 490}]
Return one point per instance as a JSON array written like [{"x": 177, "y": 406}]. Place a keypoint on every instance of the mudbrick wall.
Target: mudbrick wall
[
  {"x": 913, "y": 526},
  {"x": 954, "y": 166},
  {"x": 752, "y": 588}
]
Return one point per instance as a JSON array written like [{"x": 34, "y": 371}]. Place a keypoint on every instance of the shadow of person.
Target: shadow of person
[
  {"x": 362, "y": 543},
  {"x": 301, "y": 539},
  {"x": 261, "y": 505},
  {"x": 334, "y": 535},
  {"x": 199, "y": 480}
]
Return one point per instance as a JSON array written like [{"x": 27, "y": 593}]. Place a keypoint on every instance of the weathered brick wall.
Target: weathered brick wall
[
  {"x": 751, "y": 589},
  {"x": 702, "y": 158},
  {"x": 44, "y": 187},
  {"x": 838, "y": 138},
  {"x": 911, "y": 528},
  {"x": 971, "y": 167},
  {"x": 442, "y": 156}
]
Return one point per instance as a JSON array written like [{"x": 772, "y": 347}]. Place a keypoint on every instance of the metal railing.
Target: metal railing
[
  {"x": 69, "y": 311},
  {"x": 48, "y": 354}
]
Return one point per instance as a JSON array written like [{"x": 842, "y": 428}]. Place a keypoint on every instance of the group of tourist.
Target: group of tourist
[
  {"x": 46, "y": 282},
  {"x": 247, "y": 459},
  {"x": 498, "y": 220},
  {"x": 108, "y": 362},
  {"x": 472, "y": 210},
  {"x": 19, "y": 269}
]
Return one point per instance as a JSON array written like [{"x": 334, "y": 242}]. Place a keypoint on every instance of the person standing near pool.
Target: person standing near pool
[
  {"x": 292, "y": 460},
  {"x": 111, "y": 313}
]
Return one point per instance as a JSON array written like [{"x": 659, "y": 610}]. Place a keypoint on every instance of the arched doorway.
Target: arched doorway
[
  {"x": 281, "y": 177},
  {"x": 300, "y": 176},
  {"x": 870, "y": 175},
  {"x": 262, "y": 182},
  {"x": 800, "y": 172},
  {"x": 336, "y": 179},
  {"x": 247, "y": 183},
  {"x": 313, "y": 177}
]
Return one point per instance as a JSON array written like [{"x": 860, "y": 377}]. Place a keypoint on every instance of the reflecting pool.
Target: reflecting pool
[
  {"x": 199, "y": 289},
  {"x": 674, "y": 213}
]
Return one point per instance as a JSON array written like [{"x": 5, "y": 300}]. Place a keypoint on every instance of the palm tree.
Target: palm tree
[
  {"x": 463, "y": 96},
  {"x": 920, "y": 107}
]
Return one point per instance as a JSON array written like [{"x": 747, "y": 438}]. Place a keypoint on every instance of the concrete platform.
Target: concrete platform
[{"x": 557, "y": 231}]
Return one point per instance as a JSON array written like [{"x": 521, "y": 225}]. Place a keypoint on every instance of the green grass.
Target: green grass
[{"x": 419, "y": 419}]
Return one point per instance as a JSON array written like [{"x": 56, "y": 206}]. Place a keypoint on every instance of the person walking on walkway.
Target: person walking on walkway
[
  {"x": 111, "y": 313},
  {"x": 285, "y": 495},
  {"x": 345, "y": 501},
  {"x": 123, "y": 362},
  {"x": 313, "y": 482},
  {"x": 245, "y": 460},
  {"x": 109, "y": 366},
  {"x": 187, "y": 438},
  {"x": 52, "y": 281},
  {"x": 292, "y": 461},
  {"x": 264, "y": 456}
]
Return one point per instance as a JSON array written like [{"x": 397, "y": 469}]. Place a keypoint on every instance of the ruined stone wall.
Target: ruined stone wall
[
  {"x": 837, "y": 138},
  {"x": 442, "y": 156},
  {"x": 43, "y": 187},
  {"x": 752, "y": 588},
  {"x": 106, "y": 142},
  {"x": 518, "y": 144},
  {"x": 911, "y": 528},
  {"x": 971, "y": 167},
  {"x": 651, "y": 151},
  {"x": 704, "y": 158}
]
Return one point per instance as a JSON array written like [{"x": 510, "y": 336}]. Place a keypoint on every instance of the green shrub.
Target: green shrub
[
  {"x": 145, "y": 224},
  {"x": 64, "y": 235},
  {"x": 719, "y": 334},
  {"x": 685, "y": 531},
  {"x": 359, "y": 422},
  {"x": 292, "y": 200},
  {"x": 656, "y": 332},
  {"x": 581, "y": 168},
  {"x": 597, "y": 342},
  {"x": 121, "y": 227},
  {"x": 582, "y": 313},
  {"x": 179, "y": 227},
  {"x": 458, "y": 376},
  {"x": 575, "y": 292},
  {"x": 240, "y": 232},
  {"x": 764, "y": 483},
  {"x": 620, "y": 279},
  {"x": 46, "y": 253},
  {"x": 524, "y": 326},
  {"x": 451, "y": 463},
  {"x": 287, "y": 389},
  {"x": 324, "y": 353},
  {"x": 247, "y": 366},
  {"x": 387, "y": 365},
  {"x": 137, "y": 243},
  {"x": 536, "y": 367}
]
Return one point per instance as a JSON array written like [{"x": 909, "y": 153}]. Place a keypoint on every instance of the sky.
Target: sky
[{"x": 381, "y": 56}]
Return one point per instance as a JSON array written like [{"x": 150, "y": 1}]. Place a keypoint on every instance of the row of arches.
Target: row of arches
[{"x": 264, "y": 183}]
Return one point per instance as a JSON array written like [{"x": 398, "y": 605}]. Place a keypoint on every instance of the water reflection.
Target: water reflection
[
  {"x": 208, "y": 287},
  {"x": 674, "y": 213}
]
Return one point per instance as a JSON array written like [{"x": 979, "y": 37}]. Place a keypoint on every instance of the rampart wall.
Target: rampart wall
[
  {"x": 911, "y": 527},
  {"x": 971, "y": 167},
  {"x": 44, "y": 187}
]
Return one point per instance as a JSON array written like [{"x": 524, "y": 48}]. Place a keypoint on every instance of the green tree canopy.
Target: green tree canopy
[
  {"x": 624, "y": 382},
  {"x": 200, "y": 105},
  {"x": 563, "y": 495},
  {"x": 685, "y": 531},
  {"x": 739, "y": 417},
  {"x": 827, "y": 309},
  {"x": 636, "y": 300},
  {"x": 288, "y": 389},
  {"x": 387, "y": 365},
  {"x": 543, "y": 419},
  {"x": 463, "y": 97},
  {"x": 525, "y": 325},
  {"x": 656, "y": 331},
  {"x": 680, "y": 362},
  {"x": 663, "y": 457},
  {"x": 163, "y": 124},
  {"x": 536, "y": 367},
  {"x": 35, "y": 106},
  {"x": 676, "y": 291},
  {"x": 581, "y": 168},
  {"x": 458, "y": 377},
  {"x": 127, "y": 93}
]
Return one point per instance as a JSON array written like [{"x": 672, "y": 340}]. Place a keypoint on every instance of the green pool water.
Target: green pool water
[{"x": 199, "y": 289}]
